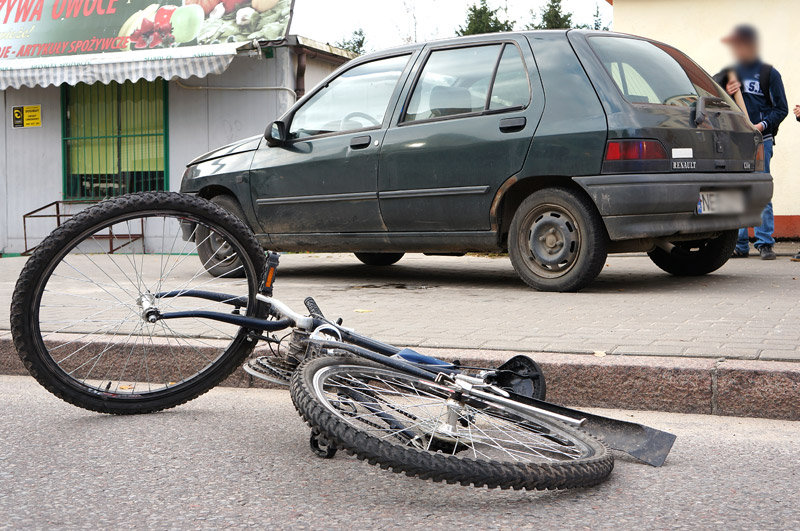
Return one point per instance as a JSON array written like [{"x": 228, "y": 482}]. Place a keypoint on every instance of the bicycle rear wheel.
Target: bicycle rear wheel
[
  {"x": 426, "y": 430},
  {"x": 78, "y": 310}
]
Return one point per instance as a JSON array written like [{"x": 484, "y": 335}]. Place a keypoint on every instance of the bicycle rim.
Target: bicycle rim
[
  {"x": 88, "y": 309},
  {"x": 405, "y": 410}
]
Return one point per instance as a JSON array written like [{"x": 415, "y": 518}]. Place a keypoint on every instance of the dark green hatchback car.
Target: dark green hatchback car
[{"x": 558, "y": 146}]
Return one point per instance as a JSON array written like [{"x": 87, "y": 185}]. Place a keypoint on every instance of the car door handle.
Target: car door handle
[
  {"x": 360, "y": 142},
  {"x": 509, "y": 125}
]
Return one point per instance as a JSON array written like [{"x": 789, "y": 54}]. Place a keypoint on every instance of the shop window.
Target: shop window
[{"x": 115, "y": 139}]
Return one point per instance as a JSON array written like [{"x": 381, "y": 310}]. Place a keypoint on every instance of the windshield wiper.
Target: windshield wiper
[{"x": 700, "y": 114}]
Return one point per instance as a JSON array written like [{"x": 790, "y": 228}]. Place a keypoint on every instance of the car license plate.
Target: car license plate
[{"x": 721, "y": 202}]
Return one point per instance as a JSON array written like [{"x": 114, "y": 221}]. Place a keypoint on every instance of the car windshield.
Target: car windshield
[{"x": 653, "y": 73}]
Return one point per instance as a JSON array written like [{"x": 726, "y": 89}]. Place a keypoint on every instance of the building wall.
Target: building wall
[
  {"x": 317, "y": 70},
  {"x": 696, "y": 27},
  {"x": 200, "y": 119},
  {"x": 3, "y": 177},
  {"x": 33, "y": 164}
]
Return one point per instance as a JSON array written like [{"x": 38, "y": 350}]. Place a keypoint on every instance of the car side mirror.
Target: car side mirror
[{"x": 275, "y": 133}]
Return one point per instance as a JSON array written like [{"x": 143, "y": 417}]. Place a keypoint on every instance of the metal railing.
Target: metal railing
[{"x": 59, "y": 210}]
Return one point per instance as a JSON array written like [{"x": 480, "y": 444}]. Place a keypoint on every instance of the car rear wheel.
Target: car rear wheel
[
  {"x": 557, "y": 241},
  {"x": 379, "y": 259},
  {"x": 695, "y": 258},
  {"x": 216, "y": 255}
]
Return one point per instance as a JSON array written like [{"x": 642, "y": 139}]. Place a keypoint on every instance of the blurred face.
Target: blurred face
[{"x": 744, "y": 52}]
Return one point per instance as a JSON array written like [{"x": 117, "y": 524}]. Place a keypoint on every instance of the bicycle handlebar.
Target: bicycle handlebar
[{"x": 313, "y": 308}]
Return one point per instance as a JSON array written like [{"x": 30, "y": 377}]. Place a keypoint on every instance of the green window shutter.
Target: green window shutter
[{"x": 115, "y": 139}]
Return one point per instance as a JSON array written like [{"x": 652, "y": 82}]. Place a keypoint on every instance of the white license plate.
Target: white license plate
[{"x": 721, "y": 202}]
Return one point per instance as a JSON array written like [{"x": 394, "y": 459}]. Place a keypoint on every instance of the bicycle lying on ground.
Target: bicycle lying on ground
[{"x": 110, "y": 314}]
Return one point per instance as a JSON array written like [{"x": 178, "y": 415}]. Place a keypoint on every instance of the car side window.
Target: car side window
[
  {"x": 453, "y": 81},
  {"x": 511, "y": 87},
  {"x": 357, "y": 99}
]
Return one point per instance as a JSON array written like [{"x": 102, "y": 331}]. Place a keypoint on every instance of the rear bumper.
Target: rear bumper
[{"x": 657, "y": 205}]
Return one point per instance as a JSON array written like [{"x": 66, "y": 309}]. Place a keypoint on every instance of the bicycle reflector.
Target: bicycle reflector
[
  {"x": 625, "y": 156},
  {"x": 269, "y": 276}
]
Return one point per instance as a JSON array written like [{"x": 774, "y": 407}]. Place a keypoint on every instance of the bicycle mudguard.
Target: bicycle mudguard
[{"x": 643, "y": 443}]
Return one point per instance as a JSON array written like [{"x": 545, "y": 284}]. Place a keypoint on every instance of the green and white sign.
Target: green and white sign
[{"x": 32, "y": 29}]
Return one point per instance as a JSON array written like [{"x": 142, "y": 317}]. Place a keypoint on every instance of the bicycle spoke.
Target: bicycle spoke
[
  {"x": 393, "y": 407},
  {"x": 99, "y": 291}
]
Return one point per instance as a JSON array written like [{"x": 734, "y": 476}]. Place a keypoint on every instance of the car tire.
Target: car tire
[
  {"x": 696, "y": 258},
  {"x": 557, "y": 240},
  {"x": 379, "y": 259},
  {"x": 212, "y": 255}
]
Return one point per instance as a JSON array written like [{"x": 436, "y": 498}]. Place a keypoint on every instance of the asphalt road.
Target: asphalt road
[{"x": 239, "y": 458}]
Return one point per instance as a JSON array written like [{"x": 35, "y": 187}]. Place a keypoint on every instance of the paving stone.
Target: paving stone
[
  {"x": 648, "y": 350},
  {"x": 780, "y": 345},
  {"x": 779, "y": 355},
  {"x": 731, "y": 353}
]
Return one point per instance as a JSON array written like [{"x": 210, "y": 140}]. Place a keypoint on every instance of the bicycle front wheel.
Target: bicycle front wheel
[
  {"x": 79, "y": 310},
  {"x": 426, "y": 430}
]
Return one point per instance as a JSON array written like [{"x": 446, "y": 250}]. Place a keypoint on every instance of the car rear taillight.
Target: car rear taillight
[
  {"x": 760, "y": 158},
  {"x": 635, "y": 156},
  {"x": 635, "y": 150}
]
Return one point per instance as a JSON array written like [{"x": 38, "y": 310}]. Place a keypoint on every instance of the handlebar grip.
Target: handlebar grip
[{"x": 313, "y": 309}]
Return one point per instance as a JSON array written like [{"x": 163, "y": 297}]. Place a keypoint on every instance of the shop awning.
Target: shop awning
[{"x": 183, "y": 63}]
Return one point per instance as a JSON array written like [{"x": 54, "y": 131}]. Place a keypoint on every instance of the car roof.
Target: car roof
[{"x": 483, "y": 36}]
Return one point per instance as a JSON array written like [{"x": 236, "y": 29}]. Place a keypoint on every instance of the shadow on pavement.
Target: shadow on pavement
[{"x": 501, "y": 276}]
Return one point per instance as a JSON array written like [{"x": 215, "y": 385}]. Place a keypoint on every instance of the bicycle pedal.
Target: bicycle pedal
[{"x": 273, "y": 369}]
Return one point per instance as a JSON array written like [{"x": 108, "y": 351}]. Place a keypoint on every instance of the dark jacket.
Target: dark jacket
[{"x": 769, "y": 108}]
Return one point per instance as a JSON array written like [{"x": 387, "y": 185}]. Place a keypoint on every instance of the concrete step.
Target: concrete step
[{"x": 744, "y": 388}]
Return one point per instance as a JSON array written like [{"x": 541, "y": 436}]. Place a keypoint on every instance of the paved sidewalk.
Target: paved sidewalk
[{"x": 748, "y": 310}]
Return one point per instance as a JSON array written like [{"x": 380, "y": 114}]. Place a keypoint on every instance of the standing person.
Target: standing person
[
  {"x": 765, "y": 99},
  {"x": 797, "y": 115}
]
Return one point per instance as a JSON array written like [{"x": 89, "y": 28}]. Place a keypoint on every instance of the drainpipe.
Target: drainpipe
[{"x": 300, "y": 77}]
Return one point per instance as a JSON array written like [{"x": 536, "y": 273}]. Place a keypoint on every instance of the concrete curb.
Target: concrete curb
[{"x": 765, "y": 389}]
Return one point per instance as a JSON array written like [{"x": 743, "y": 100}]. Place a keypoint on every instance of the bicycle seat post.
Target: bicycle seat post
[{"x": 273, "y": 259}]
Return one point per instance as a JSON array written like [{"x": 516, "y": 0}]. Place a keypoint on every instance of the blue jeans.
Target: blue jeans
[{"x": 764, "y": 232}]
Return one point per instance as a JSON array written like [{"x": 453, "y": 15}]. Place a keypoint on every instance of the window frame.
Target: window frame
[
  {"x": 389, "y": 106},
  {"x": 65, "y": 138},
  {"x": 403, "y": 122}
]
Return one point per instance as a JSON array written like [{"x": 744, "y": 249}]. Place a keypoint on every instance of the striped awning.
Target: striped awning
[{"x": 183, "y": 63}]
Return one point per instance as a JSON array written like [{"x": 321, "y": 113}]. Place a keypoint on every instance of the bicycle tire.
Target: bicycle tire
[
  {"x": 25, "y": 306},
  {"x": 434, "y": 463}
]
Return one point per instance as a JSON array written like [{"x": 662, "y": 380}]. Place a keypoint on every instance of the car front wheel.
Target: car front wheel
[
  {"x": 557, "y": 241},
  {"x": 215, "y": 253},
  {"x": 695, "y": 258}
]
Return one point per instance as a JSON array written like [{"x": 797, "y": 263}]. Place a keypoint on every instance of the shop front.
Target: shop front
[{"x": 110, "y": 99}]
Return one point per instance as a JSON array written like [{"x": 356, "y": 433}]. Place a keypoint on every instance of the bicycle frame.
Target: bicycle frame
[
  {"x": 403, "y": 360},
  {"x": 646, "y": 444}
]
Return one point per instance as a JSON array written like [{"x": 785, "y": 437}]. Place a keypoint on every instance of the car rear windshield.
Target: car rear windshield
[{"x": 653, "y": 73}]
